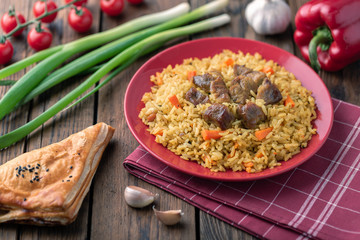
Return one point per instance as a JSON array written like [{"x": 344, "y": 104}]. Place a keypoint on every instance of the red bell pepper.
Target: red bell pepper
[{"x": 328, "y": 33}]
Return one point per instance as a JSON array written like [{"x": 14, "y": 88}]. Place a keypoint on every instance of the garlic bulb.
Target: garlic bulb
[
  {"x": 138, "y": 197},
  {"x": 268, "y": 16},
  {"x": 170, "y": 217}
]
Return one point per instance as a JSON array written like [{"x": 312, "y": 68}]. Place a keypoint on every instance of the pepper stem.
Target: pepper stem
[{"x": 323, "y": 38}]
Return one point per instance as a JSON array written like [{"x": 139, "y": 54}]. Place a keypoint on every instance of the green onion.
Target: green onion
[
  {"x": 36, "y": 57},
  {"x": 7, "y": 82},
  {"x": 111, "y": 49},
  {"x": 129, "y": 55},
  {"x": 31, "y": 79}
]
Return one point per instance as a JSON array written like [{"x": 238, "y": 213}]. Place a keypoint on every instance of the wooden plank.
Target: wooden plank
[
  {"x": 19, "y": 117},
  {"x": 65, "y": 124},
  {"x": 212, "y": 229},
  {"x": 112, "y": 218},
  {"x": 350, "y": 79}
]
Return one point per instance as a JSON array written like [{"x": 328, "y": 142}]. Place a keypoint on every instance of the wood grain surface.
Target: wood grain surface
[{"x": 104, "y": 213}]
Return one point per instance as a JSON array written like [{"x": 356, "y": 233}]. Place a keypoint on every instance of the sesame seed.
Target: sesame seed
[
  {"x": 36, "y": 173},
  {"x": 25, "y": 168},
  {"x": 62, "y": 180},
  {"x": 16, "y": 168},
  {"x": 37, "y": 179},
  {"x": 71, "y": 167},
  {"x": 37, "y": 167},
  {"x": 29, "y": 166},
  {"x": 47, "y": 170},
  {"x": 17, "y": 175},
  {"x": 68, "y": 180},
  {"x": 31, "y": 181},
  {"x": 22, "y": 175},
  {"x": 70, "y": 176},
  {"x": 24, "y": 199}
]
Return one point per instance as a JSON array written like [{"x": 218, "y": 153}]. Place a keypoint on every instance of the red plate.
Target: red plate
[{"x": 201, "y": 48}]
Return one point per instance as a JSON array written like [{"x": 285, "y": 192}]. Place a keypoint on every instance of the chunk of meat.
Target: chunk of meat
[
  {"x": 248, "y": 84},
  {"x": 241, "y": 70},
  {"x": 220, "y": 91},
  {"x": 203, "y": 81},
  {"x": 219, "y": 115},
  {"x": 240, "y": 89},
  {"x": 251, "y": 114},
  {"x": 257, "y": 77},
  {"x": 269, "y": 92},
  {"x": 238, "y": 94},
  {"x": 196, "y": 97}
]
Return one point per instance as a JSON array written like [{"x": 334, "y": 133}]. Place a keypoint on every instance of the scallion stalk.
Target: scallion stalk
[
  {"x": 101, "y": 54},
  {"x": 123, "y": 58},
  {"x": 31, "y": 79},
  {"x": 7, "y": 82},
  {"x": 36, "y": 57}
]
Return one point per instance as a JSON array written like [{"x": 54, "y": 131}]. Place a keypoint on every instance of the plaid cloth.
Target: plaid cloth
[{"x": 319, "y": 199}]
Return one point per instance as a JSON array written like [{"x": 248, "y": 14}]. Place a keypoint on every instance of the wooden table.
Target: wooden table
[{"x": 104, "y": 213}]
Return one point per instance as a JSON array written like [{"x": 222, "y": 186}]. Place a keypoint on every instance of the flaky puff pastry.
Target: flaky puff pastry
[{"x": 48, "y": 185}]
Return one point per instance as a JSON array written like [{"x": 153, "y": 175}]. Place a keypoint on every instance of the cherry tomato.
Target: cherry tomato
[
  {"x": 39, "y": 38},
  {"x": 6, "y": 52},
  {"x": 39, "y": 9},
  {"x": 112, "y": 7},
  {"x": 79, "y": 3},
  {"x": 80, "y": 19},
  {"x": 8, "y": 22},
  {"x": 135, "y": 1}
]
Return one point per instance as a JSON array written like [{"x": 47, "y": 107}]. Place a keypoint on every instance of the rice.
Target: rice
[{"x": 179, "y": 129}]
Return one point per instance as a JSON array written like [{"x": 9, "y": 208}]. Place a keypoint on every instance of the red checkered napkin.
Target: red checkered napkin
[{"x": 319, "y": 199}]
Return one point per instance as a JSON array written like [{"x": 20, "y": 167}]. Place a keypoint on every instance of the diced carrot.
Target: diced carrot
[
  {"x": 248, "y": 164},
  {"x": 160, "y": 132},
  {"x": 275, "y": 153},
  {"x": 229, "y": 62},
  {"x": 211, "y": 134},
  {"x": 175, "y": 101},
  {"x": 159, "y": 80},
  {"x": 190, "y": 75},
  {"x": 288, "y": 101},
  {"x": 261, "y": 134},
  {"x": 267, "y": 69},
  {"x": 259, "y": 154}
]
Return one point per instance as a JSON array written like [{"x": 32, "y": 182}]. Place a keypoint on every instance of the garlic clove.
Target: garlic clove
[
  {"x": 170, "y": 217},
  {"x": 138, "y": 197}
]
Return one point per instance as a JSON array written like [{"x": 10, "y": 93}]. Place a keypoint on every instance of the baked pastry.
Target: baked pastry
[{"x": 48, "y": 185}]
